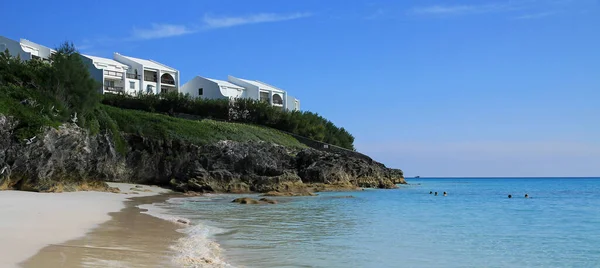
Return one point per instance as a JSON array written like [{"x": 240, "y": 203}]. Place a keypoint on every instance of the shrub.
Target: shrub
[{"x": 307, "y": 124}]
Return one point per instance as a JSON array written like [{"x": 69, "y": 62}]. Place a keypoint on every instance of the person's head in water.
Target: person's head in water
[
  {"x": 509, "y": 196},
  {"x": 445, "y": 194},
  {"x": 526, "y": 196},
  {"x": 435, "y": 193},
  {"x": 430, "y": 192}
]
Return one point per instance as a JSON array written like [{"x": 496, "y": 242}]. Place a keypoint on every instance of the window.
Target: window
[
  {"x": 132, "y": 85},
  {"x": 277, "y": 99},
  {"x": 200, "y": 91},
  {"x": 264, "y": 96},
  {"x": 149, "y": 89},
  {"x": 110, "y": 83}
]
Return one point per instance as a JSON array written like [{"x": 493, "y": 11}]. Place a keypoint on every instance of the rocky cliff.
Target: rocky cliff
[{"x": 69, "y": 158}]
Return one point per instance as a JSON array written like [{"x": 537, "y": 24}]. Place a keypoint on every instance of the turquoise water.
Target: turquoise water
[{"x": 476, "y": 225}]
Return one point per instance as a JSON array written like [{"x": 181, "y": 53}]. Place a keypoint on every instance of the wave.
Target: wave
[{"x": 195, "y": 249}]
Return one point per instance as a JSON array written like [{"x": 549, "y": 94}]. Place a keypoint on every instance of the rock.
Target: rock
[
  {"x": 245, "y": 200},
  {"x": 191, "y": 193},
  {"x": 342, "y": 197},
  {"x": 266, "y": 200},
  {"x": 183, "y": 221},
  {"x": 69, "y": 158},
  {"x": 275, "y": 193}
]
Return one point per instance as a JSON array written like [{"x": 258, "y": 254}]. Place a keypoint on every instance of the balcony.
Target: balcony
[
  {"x": 150, "y": 78},
  {"x": 111, "y": 73},
  {"x": 113, "y": 89},
  {"x": 133, "y": 76},
  {"x": 167, "y": 80}
]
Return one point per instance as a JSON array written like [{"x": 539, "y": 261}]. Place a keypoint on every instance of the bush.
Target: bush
[
  {"x": 307, "y": 124},
  {"x": 41, "y": 94}
]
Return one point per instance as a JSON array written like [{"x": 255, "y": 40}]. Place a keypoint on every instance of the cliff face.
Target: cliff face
[{"x": 68, "y": 158}]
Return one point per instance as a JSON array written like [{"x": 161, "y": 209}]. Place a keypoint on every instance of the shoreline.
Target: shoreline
[
  {"x": 131, "y": 238},
  {"x": 32, "y": 221}
]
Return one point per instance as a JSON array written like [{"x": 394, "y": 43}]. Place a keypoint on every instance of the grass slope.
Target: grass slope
[{"x": 203, "y": 132}]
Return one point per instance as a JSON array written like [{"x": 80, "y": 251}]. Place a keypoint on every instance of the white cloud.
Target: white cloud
[
  {"x": 211, "y": 22},
  {"x": 161, "y": 31},
  {"x": 535, "y": 16},
  {"x": 461, "y": 9}
]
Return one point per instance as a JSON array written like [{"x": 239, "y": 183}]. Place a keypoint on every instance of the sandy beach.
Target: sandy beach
[{"x": 52, "y": 222}]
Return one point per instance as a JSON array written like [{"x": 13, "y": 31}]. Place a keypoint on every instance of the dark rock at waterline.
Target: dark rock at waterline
[
  {"x": 266, "y": 200},
  {"x": 68, "y": 158},
  {"x": 245, "y": 201},
  {"x": 290, "y": 193}
]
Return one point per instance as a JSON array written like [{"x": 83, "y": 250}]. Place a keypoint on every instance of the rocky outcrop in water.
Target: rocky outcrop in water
[{"x": 68, "y": 158}]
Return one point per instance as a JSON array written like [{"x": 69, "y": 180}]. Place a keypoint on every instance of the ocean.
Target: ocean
[{"x": 476, "y": 225}]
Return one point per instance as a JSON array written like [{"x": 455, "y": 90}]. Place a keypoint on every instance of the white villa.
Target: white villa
[
  {"x": 25, "y": 49},
  {"x": 114, "y": 76},
  {"x": 240, "y": 88},
  {"x": 129, "y": 75},
  {"x": 201, "y": 87},
  {"x": 154, "y": 77}
]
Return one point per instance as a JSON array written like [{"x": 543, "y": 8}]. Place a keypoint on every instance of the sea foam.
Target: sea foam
[{"x": 196, "y": 249}]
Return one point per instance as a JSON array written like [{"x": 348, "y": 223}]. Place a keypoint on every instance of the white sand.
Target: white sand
[{"x": 31, "y": 221}]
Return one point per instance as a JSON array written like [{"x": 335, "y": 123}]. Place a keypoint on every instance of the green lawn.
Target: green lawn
[
  {"x": 198, "y": 132},
  {"x": 47, "y": 112}
]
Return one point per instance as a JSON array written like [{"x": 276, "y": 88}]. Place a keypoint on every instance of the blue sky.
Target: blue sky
[{"x": 437, "y": 88}]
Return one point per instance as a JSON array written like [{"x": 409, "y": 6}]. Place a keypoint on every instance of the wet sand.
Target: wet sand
[{"x": 129, "y": 239}]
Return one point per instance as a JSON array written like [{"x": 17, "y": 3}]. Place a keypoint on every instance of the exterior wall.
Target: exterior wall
[
  {"x": 171, "y": 87},
  {"x": 291, "y": 103},
  {"x": 145, "y": 85},
  {"x": 136, "y": 87},
  {"x": 42, "y": 51},
  {"x": 14, "y": 48},
  {"x": 133, "y": 66},
  {"x": 211, "y": 89},
  {"x": 96, "y": 73},
  {"x": 232, "y": 93},
  {"x": 252, "y": 91}
]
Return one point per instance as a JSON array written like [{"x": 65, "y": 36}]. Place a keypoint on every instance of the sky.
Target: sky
[{"x": 434, "y": 87}]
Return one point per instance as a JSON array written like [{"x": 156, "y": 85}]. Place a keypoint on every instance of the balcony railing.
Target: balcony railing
[
  {"x": 167, "y": 81},
  {"x": 149, "y": 79},
  {"x": 113, "y": 89},
  {"x": 133, "y": 76},
  {"x": 111, "y": 73}
]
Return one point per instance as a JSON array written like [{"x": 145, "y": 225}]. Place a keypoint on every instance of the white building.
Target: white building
[
  {"x": 262, "y": 91},
  {"x": 154, "y": 77},
  {"x": 25, "y": 49},
  {"x": 239, "y": 88},
  {"x": 114, "y": 76},
  {"x": 212, "y": 89}
]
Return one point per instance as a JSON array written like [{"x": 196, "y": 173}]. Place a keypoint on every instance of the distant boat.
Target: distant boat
[{"x": 416, "y": 177}]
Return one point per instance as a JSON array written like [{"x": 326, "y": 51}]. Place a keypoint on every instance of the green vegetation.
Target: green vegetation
[
  {"x": 306, "y": 124},
  {"x": 40, "y": 94},
  {"x": 198, "y": 132}
]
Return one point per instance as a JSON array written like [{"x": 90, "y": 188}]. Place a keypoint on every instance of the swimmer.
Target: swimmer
[
  {"x": 435, "y": 193},
  {"x": 526, "y": 196},
  {"x": 509, "y": 196},
  {"x": 445, "y": 194}
]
